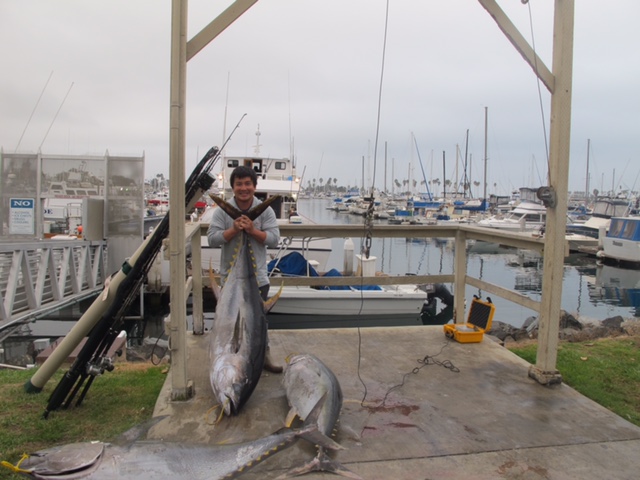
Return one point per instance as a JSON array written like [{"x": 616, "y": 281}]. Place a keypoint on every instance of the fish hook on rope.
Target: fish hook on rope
[{"x": 368, "y": 229}]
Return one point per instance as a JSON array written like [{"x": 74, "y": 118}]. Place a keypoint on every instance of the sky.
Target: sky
[{"x": 84, "y": 77}]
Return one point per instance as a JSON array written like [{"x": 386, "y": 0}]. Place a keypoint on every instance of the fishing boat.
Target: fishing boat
[
  {"x": 622, "y": 241},
  {"x": 604, "y": 209},
  {"x": 276, "y": 176}
]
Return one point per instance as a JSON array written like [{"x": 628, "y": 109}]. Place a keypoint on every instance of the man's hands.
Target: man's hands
[{"x": 244, "y": 223}]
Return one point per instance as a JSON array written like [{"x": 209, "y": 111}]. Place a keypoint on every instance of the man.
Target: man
[{"x": 263, "y": 232}]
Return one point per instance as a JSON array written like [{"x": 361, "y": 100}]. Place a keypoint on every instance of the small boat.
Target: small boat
[
  {"x": 527, "y": 216},
  {"x": 355, "y": 305},
  {"x": 530, "y": 214},
  {"x": 622, "y": 242},
  {"x": 604, "y": 209}
]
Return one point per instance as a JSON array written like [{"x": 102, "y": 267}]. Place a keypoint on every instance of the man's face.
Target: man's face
[{"x": 243, "y": 189}]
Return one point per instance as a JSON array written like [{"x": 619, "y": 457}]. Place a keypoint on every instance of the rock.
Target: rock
[
  {"x": 570, "y": 329},
  {"x": 569, "y": 321},
  {"x": 613, "y": 323},
  {"x": 501, "y": 330},
  {"x": 530, "y": 323}
]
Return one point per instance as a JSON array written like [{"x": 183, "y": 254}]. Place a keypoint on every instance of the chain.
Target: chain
[{"x": 368, "y": 229}]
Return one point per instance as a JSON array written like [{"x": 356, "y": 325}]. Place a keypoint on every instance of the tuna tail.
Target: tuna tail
[
  {"x": 321, "y": 462},
  {"x": 310, "y": 432},
  {"x": 234, "y": 212}
]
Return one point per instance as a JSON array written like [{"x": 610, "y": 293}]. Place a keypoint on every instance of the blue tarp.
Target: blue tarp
[{"x": 294, "y": 264}]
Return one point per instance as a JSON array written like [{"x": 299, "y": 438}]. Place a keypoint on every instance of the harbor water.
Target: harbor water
[{"x": 591, "y": 291}]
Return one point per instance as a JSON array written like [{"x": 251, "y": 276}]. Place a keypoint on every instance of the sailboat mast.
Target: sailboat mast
[
  {"x": 444, "y": 178},
  {"x": 385, "y": 167},
  {"x": 586, "y": 188},
  {"x": 486, "y": 127}
]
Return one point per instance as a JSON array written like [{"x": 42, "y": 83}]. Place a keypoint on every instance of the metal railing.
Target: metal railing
[
  {"x": 43, "y": 276},
  {"x": 461, "y": 233}
]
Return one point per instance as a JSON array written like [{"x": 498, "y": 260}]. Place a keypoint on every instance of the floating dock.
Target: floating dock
[{"x": 418, "y": 405}]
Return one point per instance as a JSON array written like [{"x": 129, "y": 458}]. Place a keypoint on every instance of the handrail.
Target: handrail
[
  {"x": 460, "y": 232},
  {"x": 44, "y": 275}
]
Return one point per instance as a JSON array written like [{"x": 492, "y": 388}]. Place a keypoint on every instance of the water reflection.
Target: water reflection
[
  {"x": 615, "y": 286},
  {"x": 611, "y": 290},
  {"x": 507, "y": 267}
]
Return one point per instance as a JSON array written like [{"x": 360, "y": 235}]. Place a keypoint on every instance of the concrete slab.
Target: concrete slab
[{"x": 419, "y": 406}]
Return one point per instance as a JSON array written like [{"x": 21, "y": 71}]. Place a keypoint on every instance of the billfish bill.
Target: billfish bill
[{"x": 163, "y": 460}]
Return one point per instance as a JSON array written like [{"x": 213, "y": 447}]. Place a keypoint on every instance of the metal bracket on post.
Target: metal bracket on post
[{"x": 548, "y": 196}]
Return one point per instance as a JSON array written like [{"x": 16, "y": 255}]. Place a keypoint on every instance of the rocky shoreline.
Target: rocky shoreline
[{"x": 571, "y": 329}]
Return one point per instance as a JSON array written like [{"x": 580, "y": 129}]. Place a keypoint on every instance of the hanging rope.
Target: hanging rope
[
  {"x": 544, "y": 128},
  {"x": 368, "y": 218}
]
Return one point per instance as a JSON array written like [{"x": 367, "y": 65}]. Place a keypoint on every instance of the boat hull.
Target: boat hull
[{"x": 391, "y": 301}]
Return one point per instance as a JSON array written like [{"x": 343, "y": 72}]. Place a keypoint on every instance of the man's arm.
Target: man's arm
[{"x": 220, "y": 223}]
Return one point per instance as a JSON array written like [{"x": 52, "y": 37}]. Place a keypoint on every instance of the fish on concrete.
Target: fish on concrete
[
  {"x": 307, "y": 380},
  {"x": 163, "y": 460},
  {"x": 239, "y": 333}
]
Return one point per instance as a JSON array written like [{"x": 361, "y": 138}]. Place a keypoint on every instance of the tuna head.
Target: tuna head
[
  {"x": 307, "y": 380},
  {"x": 228, "y": 380}
]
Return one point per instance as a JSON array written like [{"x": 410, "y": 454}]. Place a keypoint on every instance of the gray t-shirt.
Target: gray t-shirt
[{"x": 266, "y": 222}]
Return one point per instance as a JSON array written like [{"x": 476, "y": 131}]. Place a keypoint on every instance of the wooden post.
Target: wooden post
[
  {"x": 544, "y": 371},
  {"x": 181, "y": 387}
]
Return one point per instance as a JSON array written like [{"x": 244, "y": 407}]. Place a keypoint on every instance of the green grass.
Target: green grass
[
  {"x": 607, "y": 371},
  {"x": 115, "y": 402}
]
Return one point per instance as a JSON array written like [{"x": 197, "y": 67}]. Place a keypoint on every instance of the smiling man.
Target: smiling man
[{"x": 262, "y": 232}]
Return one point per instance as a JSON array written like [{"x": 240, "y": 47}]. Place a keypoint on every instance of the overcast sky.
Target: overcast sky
[{"x": 309, "y": 73}]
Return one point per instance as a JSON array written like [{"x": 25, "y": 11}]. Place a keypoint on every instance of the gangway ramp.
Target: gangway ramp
[{"x": 37, "y": 278}]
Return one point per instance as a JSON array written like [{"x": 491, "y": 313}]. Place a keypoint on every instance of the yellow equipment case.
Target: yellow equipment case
[{"x": 478, "y": 321}]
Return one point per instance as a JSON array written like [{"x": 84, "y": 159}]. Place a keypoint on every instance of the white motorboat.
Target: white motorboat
[
  {"x": 354, "y": 305},
  {"x": 527, "y": 216},
  {"x": 604, "y": 209}
]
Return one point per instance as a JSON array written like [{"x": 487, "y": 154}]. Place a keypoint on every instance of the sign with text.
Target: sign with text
[{"x": 22, "y": 216}]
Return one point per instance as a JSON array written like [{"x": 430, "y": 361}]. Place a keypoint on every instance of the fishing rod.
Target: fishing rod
[{"x": 92, "y": 360}]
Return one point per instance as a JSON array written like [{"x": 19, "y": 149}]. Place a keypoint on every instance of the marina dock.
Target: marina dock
[{"x": 418, "y": 406}]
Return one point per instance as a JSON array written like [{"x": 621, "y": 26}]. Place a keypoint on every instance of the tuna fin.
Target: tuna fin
[
  {"x": 135, "y": 433},
  {"x": 310, "y": 430},
  {"x": 256, "y": 211},
  {"x": 268, "y": 305},
  {"x": 291, "y": 416},
  {"x": 214, "y": 284},
  {"x": 234, "y": 212},
  {"x": 229, "y": 209}
]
